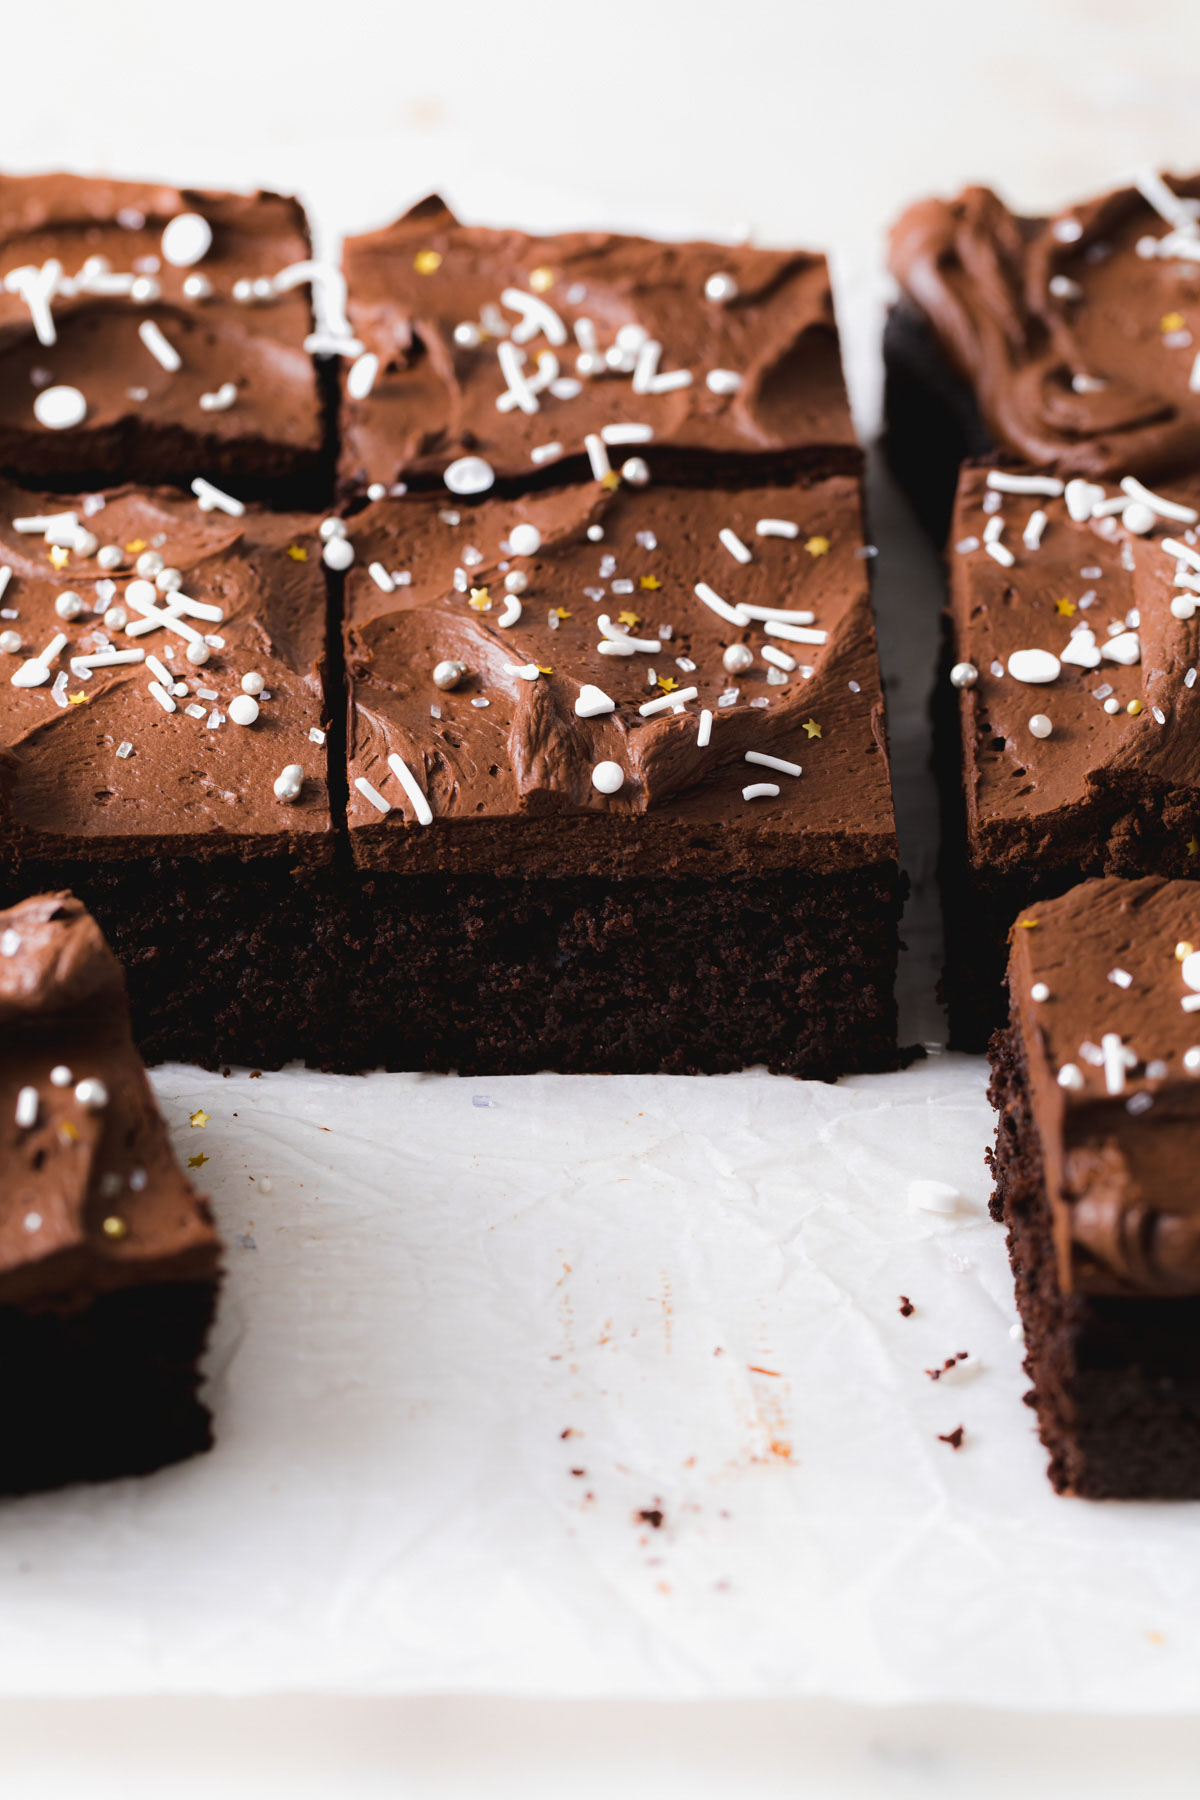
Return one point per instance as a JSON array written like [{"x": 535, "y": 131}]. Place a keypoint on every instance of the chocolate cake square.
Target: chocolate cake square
[
  {"x": 1067, "y": 710},
  {"x": 155, "y": 334},
  {"x": 162, "y": 753},
  {"x": 489, "y": 356},
  {"x": 1064, "y": 342},
  {"x": 109, "y": 1262},
  {"x": 618, "y": 788},
  {"x": 1096, "y": 1085}
]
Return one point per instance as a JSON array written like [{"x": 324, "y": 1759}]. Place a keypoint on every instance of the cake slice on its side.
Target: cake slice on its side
[
  {"x": 1097, "y": 1167},
  {"x": 109, "y": 1262}
]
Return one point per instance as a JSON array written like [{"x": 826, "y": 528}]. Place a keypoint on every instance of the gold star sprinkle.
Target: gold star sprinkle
[
  {"x": 1065, "y": 607},
  {"x": 628, "y": 618},
  {"x": 560, "y": 612},
  {"x": 1028, "y": 924},
  {"x": 541, "y": 280},
  {"x": 59, "y": 557},
  {"x": 812, "y": 728},
  {"x": 137, "y": 546},
  {"x": 68, "y": 1132},
  {"x": 1172, "y": 321},
  {"x": 542, "y": 669},
  {"x": 1193, "y": 844},
  {"x": 817, "y": 546},
  {"x": 199, "y": 1119},
  {"x": 79, "y": 699},
  {"x": 1134, "y": 708},
  {"x": 651, "y": 583},
  {"x": 297, "y": 552},
  {"x": 115, "y": 1228},
  {"x": 198, "y": 1161},
  {"x": 610, "y": 482},
  {"x": 1183, "y": 950},
  {"x": 667, "y": 683},
  {"x": 427, "y": 262},
  {"x": 480, "y": 600}
]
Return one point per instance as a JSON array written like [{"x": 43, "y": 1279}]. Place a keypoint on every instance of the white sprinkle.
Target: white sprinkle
[
  {"x": 773, "y": 762},
  {"x": 1040, "y": 726},
  {"x": 1190, "y": 1003},
  {"x": 592, "y": 701},
  {"x": 965, "y": 545},
  {"x": 92, "y": 1094},
  {"x": 124, "y": 749},
  {"x": 782, "y": 528},
  {"x": 545, "y": 452},
  {"x": 1120, "y": 978},
  {"x": 159, "y": 671},
  {"x": 524, "y": 540},
  {"x": 1032, "y": 535},
  {"x": 316, "y": 735},
  {"x": 1039, "y": 992},
  {"x": 1063, "y": 288},
  {"x": 1003, "y": 482},
  {"x": 1033, "y": 666},
  {"x": 1000, "y": 553},
  {"x": 60, "y": 408},
  {"x": 794, "y": 634},
  {"x": 1166, "y": 509},
  {"x": 512, "y": 613},
  {"x": 731, "y": 614},
  {"x": 734, "y": 545},
  {"x": 779, "y": 658},
  {"x": 704, "y": 729},
  {"x": 789, "y": 615},
  {"x": 186, "y": 240},
  {"x": 668, "y": 702},
  {"x": 518, "y": 391},
  {"x": 381, "y": 578},
  {"x": 761, "y": 790},
  {"x": 469, "y": 475},
  {"x": 927, "y": 1195},
  {"x": 1169, "y": 206},
  {"x": 627, "y": 434},
  {"x": 211, "y": 499},
  {"x": 722, "y": 381},
  {"x": 27, "y": 1108},
  {"x": 360, "y": 377},
  {"x": 220, "y": 400},
  {"x": 372, "y": 794},
  {"x": 1123, "y": 647},
  {"x": 243, "y": 709},
  {"x": 669, "y": 383},
  {"x": 164, "y": 353},
  {"x": 1071, "y": 1076},
  {"x": 593, "y": 443},
  {"x": 161, "y": 695},
  {"x": 1117, "y": 1059},
  {"x": 537, "y": 315},
  {"x": 608, "y": 778},
  {"x": 338, "y": 554},
  {"x": 1191, "y": 1060},
  {"x": 411, "y": 786}
]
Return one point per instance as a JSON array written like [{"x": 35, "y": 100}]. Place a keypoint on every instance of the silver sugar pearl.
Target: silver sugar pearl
[{"x": 448, "y": 674}]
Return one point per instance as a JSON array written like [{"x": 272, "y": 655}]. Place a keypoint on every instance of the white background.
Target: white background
[{"x": 813, "y": 124}]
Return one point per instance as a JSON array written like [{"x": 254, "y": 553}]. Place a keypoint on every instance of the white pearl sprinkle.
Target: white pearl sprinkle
[
  {"x": 720, "y": 287},
  {"x": 1191, "y": 1060},
  {"x": 10, "y": 642},
  {"x": 1040, "y": 725},
  {"x": 338, "y": 553},
  {"x": 68, "y": 605},
  {"x": 289, "y": 782},
  {"x": 61, "y": 1076},
  {"x": 1039, "y": 992},
  {"x": 469, "y": 475},
  {"x": 963, "y": 675},
  {"x": 59, "y": 408},
  {"x": 243, "y": 709},
  {"x": 524, "y": 540},
  {"x": 448, "y": 674},
  {"x": 1033, "y": 666},
  {"x": 197, "y": 653},
  {"x": 1070, "y": 1076},
  {"x": 636, "y": 471},
  {"x": 608, "y": 778},
  {"x": 92, "y": 1093},
  {"x": 253, "y": 682},
  {"x": 110, "y": 556},
  {"x": 186, "y": 240},
  {"x": 737, "y": 659}
]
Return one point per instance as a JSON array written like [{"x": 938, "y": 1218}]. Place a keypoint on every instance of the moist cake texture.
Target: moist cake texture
[
  {"x": 109, "y": 1263},
  {"x": 1097, "y": 1080}
]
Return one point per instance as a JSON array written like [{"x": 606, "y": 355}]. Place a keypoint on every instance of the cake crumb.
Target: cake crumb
[
  {"x": 953, "y": 1438},
  {"x": 907, "y": 1309}
]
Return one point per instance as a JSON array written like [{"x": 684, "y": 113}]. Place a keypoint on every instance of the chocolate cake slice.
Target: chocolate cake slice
[
  {"x": 1067, "y": 712},
  {"x": 163, "y": 755},
  {"x": 1064, "y": 343},
  {"x": 109, "y": 1262},
  {"x": 151, "y": 333},
  {"x": 618, "y": 791},
  {"x": 1097, "y": 1084},
  {"x": 493, "y": 356}
]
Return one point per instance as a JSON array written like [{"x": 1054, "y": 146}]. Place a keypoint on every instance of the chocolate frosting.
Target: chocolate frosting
[
  {"x": 256, "y": 345},
  {"x": 1078, "y": 348},
  {"x": 1122, "y": 1169},
  {"x": 197, "y": 783},
  {"x": 62, "y": 1007},
  {"x": 434, "y": 397},
  {"x": 506, "y": 761},
  {"x": 1085, "y": 793}
]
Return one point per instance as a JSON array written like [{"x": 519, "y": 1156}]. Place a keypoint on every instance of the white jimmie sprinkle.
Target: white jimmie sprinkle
[
  {"x": 411, "y": 786},
  {"x": 372, "y": 794},
  {"x": 778, "y": 763},
  {"x": 164, "y": 353},
  {"x": 761, "y": 790}
]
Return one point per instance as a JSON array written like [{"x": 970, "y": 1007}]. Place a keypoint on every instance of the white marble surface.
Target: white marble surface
[{"x": 814, "y": 124}]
